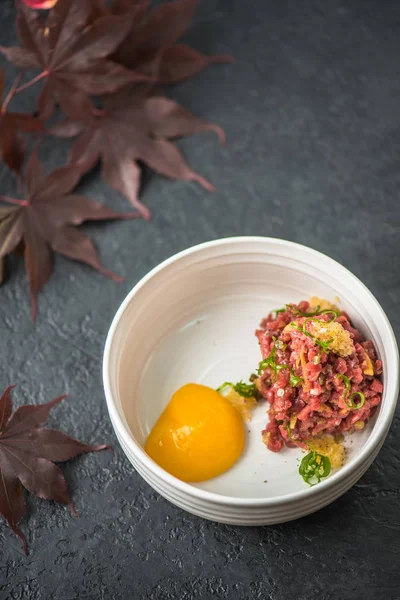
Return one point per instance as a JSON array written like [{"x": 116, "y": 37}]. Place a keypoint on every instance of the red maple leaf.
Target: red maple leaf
[
  {"x": 71, "y": 54},
  {"x": 11, "y": 143},
  {"x": 150, "y": 45},
  {"x": 45, "y": 221},
  {"x": 27, "y": 454},
  {"x": 135, "y": 126}
]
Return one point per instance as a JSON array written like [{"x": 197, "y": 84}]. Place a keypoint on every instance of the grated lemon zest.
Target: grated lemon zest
[
  {"x": 265, "y": 437},
  {"x": 324, "y": 304},
  {"x": 327, "y": 446},
  {"x": 341, "y": 343},
  {"x": 244, "y": 406}
]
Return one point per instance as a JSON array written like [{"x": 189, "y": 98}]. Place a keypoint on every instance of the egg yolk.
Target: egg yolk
[{"x": 198, "y": 436}]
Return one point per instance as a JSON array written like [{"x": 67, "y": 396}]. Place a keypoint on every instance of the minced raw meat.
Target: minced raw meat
[{"x": 305, "y": 380}]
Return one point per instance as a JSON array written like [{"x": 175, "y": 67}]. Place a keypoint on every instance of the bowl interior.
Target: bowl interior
[{"x": 194, "y": 320}]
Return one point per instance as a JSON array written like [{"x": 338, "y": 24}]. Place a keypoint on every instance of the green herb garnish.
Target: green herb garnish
[
  {"x": 263, "y": 365},
  {"x": 300, "y": 313},
  {"x": 246, "y": 390},
  {"x": 280, "y": 345},
  {"x": 314, "y": 467},
  {"x": 352, "y": 404},
  {"x": 225, "y": 385},
  {"x": 296, "y": 311},
  {"x": 349, "y": 402},
  {"x": 270, "y": 361},
  {"x": 317, "y": 311},
  {"x": 346, "y": 382},
  {"x": 323, "y": 345},
  {"x": 303, "y": 329},
  {"x": 288, "y": 431},
  {"x": 278, "y": 310},
  {"x": 294, "y": 379},
  {"x": 324, "y": 312},
  {"x": 303, "y": 314}
]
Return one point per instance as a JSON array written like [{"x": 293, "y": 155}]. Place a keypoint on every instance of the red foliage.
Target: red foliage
[
  {"x": 102, "y": 63},
  {"x": 27, "y": 454}
]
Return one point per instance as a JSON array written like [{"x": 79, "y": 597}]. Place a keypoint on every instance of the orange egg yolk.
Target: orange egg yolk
[{"x": 198, "y": 436}]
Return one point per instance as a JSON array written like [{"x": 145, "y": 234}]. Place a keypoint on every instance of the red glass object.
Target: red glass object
[{"x": 41, "y": 4}]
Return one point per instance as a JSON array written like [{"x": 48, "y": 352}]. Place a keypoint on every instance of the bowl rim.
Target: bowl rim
[{"x": 379, "y": 431}]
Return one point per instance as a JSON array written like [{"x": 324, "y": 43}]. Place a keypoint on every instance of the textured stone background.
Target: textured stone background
[{"x": 311, "y": 113}]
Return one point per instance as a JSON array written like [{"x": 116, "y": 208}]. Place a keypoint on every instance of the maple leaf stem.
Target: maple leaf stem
[
  {"x": 23, "y": 541},
  {"x": 111, "y": 275},
  {"x": 14, "y": 201},
  {"x": 73, "y": 509},
  {"x": 221, "y": 58},
  {"x": 12, "y": 92},
  {"x": 32, "y": 82}
]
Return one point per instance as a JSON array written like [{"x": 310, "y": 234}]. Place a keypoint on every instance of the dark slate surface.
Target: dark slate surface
[{"x": 311, "y": 113}]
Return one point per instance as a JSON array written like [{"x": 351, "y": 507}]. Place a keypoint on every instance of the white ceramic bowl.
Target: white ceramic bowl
[{"x": 192, "y": 319}]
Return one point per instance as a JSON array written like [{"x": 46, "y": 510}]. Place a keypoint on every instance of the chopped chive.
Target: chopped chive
[
  {"x": 276, "y": 311},
  {"x": 323, "y": 345},
  {"x": 324, "y": 312},
  {"x": 224, "y": 385},
  {"x": 289, "y": 432},
  {"x": 294, "y": 379},
  {"x": 349, "y": 402},
  {"x": 270, "y": 361},
  {"x": 303, "y": 314},
  {"x": 352, "y": 404},
  {"x": 246, "y": 390}
]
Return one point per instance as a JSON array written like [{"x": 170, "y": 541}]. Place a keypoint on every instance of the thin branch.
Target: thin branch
[
  {"x": 32, "y": 82},
  {"x": 14, "y": 201},
  {"x": 12, "y": 92}
]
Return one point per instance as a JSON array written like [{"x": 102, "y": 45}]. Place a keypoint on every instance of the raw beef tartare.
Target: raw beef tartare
[{"x": 317, "y": 373}]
